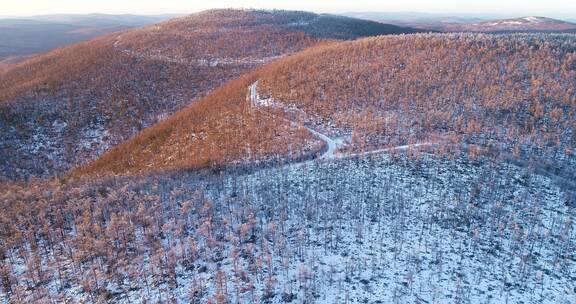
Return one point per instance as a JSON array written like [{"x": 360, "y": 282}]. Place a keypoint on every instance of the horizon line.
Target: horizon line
[{"x": 483, "y": 15}]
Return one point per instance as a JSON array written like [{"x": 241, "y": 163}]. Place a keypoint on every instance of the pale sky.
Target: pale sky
[{"x": 551, "y": 8}]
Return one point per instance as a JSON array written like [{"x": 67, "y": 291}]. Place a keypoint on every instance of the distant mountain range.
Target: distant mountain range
[
  {"x": 24, "y": 36},
  {"x": 418, "y": 18},
  {"x": 524, "y": 24},
  {"x": 471, "y": 23},
  {"x": 102, "y": 19}
]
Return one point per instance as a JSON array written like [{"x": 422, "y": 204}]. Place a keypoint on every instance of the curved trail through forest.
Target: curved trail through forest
[
  {"x": 205, "y": 62},
  {"x": 332, "y": 144}
]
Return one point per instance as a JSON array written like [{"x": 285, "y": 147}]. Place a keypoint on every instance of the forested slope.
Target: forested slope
[
  {"x": 508, "y": 96},
  {"x": 220, "y": 130},
  {"x": 358, "y": 230},
  {"x": 68, "y": 106},
  {"x": 497, "y": 93}
]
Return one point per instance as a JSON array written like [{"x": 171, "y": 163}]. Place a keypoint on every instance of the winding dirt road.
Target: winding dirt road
[{"x": 332, "y": 144}]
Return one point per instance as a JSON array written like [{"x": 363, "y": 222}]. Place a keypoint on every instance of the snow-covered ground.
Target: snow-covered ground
[
  {"x": 375, "y": 231},
  {"x": 343, "y": 228},
  {"x": 378, "y": 231},
  {"x": 370, "y": 230}
]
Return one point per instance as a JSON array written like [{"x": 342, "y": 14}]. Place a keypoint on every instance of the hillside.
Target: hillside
[
  {"x": 504, "y": 91},
  {"x": 68, "y": 106},
  {"x": 218, "y": 130},
  {"x": 479, "y": 95}
]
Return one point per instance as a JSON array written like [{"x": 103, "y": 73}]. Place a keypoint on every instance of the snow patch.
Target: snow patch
[{"x": 533, "y": 19}]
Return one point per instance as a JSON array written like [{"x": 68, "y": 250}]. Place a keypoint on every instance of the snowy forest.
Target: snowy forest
[{"x": 321, "y": 159}]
